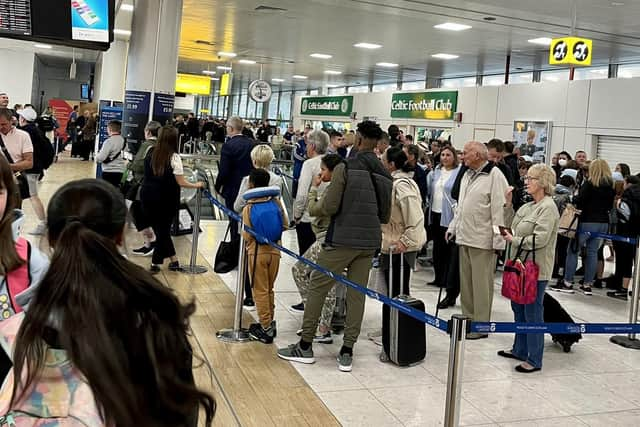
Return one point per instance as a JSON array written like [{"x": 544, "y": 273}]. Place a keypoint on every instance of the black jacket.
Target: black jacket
[
  {"x": 595, "y": 202},
  {"x": 235, "y": 164}
]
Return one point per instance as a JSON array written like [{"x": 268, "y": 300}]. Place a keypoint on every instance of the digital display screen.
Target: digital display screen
[
  {"x": 15, "y": 17},
  {"x": 84, "y": 91},
  {"x": 90, "y": 20}
]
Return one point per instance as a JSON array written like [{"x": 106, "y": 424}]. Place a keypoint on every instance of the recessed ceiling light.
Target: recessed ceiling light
[
  {"x": 208, "y": 72},
  {"x": 386, "y": 64},
  {"x": 543, "y": 41},
  {"x": 246, "y": 61},
  {"x": 444, "y": 56},
  {"x": 297, "y": 76},
  {"x": 227, "y": 54},
  {"x": 277, "y": 80},
  {"x": 367, "y": 45},
  {"x": 452, "y": 26},
  {"x": 333, "y": 72},
  {"x": 321, "y": 56},
  {"x": 222, "y": 67},
  {"x": 127, "y": 7},
  {"x": 122, "y": 32},
  {"x": 42, "y": 46}
]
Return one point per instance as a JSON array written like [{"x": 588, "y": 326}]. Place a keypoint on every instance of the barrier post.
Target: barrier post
[
  {"x": 238, "y": 334},
  {"x": 630, "y": 341},
  {"x": 193, "y": 268},
  {"x": 459, "y": 325}
]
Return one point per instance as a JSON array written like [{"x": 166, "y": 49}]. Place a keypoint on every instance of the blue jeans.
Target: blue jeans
[
  {"x": 592, "y": 244},
  {"x": 529, "y": 347}
]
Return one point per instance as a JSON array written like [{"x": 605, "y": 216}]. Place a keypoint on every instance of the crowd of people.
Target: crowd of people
[{"x": 364, "y": 198}]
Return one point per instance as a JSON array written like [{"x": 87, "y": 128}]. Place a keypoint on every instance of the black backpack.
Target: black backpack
[
  {"x": 45, "y": 123},
  {"x": 43, "y": 152}
]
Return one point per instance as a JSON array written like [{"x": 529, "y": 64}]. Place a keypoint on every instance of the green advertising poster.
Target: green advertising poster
[
  {"x": 326, "y": 106},
  {"x": 424, "y": 105}
]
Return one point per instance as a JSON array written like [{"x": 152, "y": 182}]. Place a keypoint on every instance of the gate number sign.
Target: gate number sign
[{"x": 570, "y": 50}]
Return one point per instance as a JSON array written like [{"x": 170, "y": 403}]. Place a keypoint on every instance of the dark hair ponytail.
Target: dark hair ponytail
[
  {"x": 124, "y": 330},
  {"x": 398, "y": 157}
]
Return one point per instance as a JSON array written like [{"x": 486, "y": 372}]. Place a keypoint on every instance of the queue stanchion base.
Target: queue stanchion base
[
  {"x": 194, "y": 269},
  {"x": 626, "y": 342},
  {"x": 232, "y": 336}
]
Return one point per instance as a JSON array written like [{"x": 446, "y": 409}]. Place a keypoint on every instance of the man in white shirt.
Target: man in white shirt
[{"x": 16, "y": 146}]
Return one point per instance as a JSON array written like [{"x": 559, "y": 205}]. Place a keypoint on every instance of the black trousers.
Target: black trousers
[
  {"x": 140, "y": 218},
  {"x": 306, "y": 236},
  {"x": 453, "y": 271},
  {"x": 440, "y": 249},
  {"x": 396, "y": 282},
  {"x": 161, "y": 216},
  {"x": 561, "y": 254},
  {"x": 625, "y": 253},
  {"x": 112, "y": 178}
]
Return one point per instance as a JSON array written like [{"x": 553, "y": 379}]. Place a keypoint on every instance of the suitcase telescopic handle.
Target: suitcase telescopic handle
[{"x": 391, "y": 250}]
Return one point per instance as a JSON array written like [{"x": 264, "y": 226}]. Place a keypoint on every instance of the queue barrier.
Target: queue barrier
[
  {"x": 612, "y": 237},
  {"x": 459, "y": 325}
]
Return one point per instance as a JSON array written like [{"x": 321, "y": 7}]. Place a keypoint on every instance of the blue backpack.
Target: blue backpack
[{"x": 265, "y": 216}]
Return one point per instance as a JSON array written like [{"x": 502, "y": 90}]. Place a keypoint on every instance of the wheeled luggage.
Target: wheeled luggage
[
  {"x": 554, "y": 313},
  {"x": 403, "y": 338}
]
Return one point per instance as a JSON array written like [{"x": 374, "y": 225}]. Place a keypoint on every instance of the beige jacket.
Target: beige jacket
[
  {"x": 407, "y": 218},
  {"x": 540, "y": 219},
  {"x": 480, "y": 209}
]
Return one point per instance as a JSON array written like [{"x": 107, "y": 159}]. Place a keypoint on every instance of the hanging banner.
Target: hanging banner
[
  {"x": 424, "y": 105},
  {"x": 571, "y": 50},
  {"x": 135, "y": 114},
  {"x": 163, "y": 108},
  {"x": 107, "y": 113},
  {"x": 326, "y": 106}
]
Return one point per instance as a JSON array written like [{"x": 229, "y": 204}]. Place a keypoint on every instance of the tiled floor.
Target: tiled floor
[{"x": 597, "y": 384}]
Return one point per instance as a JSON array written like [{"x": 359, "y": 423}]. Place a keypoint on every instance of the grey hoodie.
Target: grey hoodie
[{"x": 38, "y": 266}]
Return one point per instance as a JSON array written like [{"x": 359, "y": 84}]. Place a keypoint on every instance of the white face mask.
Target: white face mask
[{"x": 562, "y": 162}]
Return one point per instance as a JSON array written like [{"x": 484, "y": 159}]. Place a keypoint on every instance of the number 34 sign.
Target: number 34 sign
[{"x": 570, "y": 50}]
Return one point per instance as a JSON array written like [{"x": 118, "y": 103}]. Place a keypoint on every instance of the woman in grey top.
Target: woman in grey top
[{"x": 537, "y": 219}]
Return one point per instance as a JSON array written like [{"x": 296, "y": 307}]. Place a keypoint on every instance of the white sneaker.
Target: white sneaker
[{"x": 39, "y": 230}]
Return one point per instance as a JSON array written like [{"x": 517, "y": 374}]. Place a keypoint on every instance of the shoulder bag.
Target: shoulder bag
[
  {"x": 520, "y": 279},
  {"x": 569, "y": 219},
  {"x": 21, "y": 180},
  {"x": 227, "y": 255}
]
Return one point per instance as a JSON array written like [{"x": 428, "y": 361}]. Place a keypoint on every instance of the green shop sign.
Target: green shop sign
[
  {"x": 326, "y": 106},
  {"x": 424, "y": 105}
]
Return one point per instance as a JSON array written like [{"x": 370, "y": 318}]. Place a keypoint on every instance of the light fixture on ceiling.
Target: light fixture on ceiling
[
  {"x": 223, "y": 67},
  {"x": 444, "y": 56},
  {"x": 333, "y": 72},
  {"x": 215, "y": 79},
  {"x": 321, "y": 56},
  {"x": 277, "y": 80},
  {"x": 209, "y": 72},
  {"x": 364, "y": 45},
  {"x": 247, "y": 61},
  {"x": 122, "y": 32},
  {"x": 228, "y": 54},
  {"x": 126, "y": 7},
  {"x": 333, "y": 85},
  {"x": 387, "y": 64},
  {"x": 299, "y": 77},
  {"x": 42, "y": 46},
  {"x": 452, "y": 26},
  {"x": 543, "y": 41}
]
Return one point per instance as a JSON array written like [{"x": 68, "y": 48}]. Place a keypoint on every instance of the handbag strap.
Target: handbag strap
[
  {"x": 5, "y": 151},
  {"x": 520, "y": 250}
]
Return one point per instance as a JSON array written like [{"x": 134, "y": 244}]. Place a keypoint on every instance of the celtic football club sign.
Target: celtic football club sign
[{"x": 326, "y": 106}]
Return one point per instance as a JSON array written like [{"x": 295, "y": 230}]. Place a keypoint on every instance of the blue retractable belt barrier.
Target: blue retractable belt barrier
[
  {"x": 480, "y": 327},
  {"x": 410, "y": 311},
  {"x": 278, "y": 171},
  {"x": 554, "y": 328},
  {"x": 611, "y": 237}
]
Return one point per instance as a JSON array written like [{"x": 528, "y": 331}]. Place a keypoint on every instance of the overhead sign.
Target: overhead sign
[
  {"x": 225, "y": 84},
  {"x": 260, "y": 91},
  {"x": 571, "y": 51},
  {"x": 15, "y": 17},
  {"x": 326, "y": 106},
  {"x": 90, "y": 20},
  {"x": 424, "y": 105},
  {"x": 197, "y": 85}
]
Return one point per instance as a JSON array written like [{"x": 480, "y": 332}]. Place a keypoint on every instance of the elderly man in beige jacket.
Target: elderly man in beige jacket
[{"x": 475, "y": 226}]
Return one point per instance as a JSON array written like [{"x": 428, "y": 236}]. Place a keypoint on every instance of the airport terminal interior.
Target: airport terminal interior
[{"x": 429, "y": 143}]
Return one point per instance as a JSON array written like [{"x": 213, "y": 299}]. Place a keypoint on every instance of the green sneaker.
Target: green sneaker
[
  {"x": 345, "y": 361},
  {"x": 295, "y": 353}
]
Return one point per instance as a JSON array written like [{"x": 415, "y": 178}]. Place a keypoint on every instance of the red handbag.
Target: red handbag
[{"x": 520, "y": 279}]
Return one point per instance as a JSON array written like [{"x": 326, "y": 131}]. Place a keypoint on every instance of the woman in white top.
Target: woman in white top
[{"x": 441, "y": 208}]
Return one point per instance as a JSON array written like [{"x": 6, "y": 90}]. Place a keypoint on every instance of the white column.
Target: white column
[{"x": 111, "y": 69}]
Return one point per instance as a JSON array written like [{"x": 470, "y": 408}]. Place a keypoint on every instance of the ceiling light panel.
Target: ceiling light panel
[
  {"x": 543, "y": 41},
  {"x": 222, "y": 67},
  {"x": 277, "y": 80},
  {"x": 452, "y": 26},
  {"x": 333, "y": 72},
  {"x": 387, "y": 64},
  {"x": 42, "y": 46},
  {"x": 444, "y": 56},
  {"x": 228, "y": 54},
  {"x": 208, "y": 72},
  {"x": 299, "y": 77},
  {"x": 321, "y": 56},
  {"x": 246, "y": 61},
  {"x": 364, "y": 45}
]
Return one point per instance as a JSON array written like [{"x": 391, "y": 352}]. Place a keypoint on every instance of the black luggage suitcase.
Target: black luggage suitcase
[
  {"x": 403, "y": 338},
  {"x": 554, "y": 313}
]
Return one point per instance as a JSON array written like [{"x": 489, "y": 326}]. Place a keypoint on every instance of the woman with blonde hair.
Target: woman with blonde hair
[
  {"x": 534, "y": 229},
  {"x": 595, "y": 200}
]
